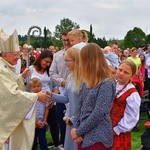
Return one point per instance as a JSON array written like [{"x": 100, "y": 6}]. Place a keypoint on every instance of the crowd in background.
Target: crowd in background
[{"x": 95, "y": 93}]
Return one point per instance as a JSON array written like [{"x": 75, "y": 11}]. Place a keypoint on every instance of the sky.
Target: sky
[{"x": 109, "y": 18}]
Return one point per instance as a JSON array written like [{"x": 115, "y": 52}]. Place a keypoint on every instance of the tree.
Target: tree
[
  {"x": 134, "y": 38},
  {"x": 65, "y": 23},
  {"x": 46, "y": 40},
  {"x": 91, "y": 35},
  {"x": 100, "y": 41},
  {"x": 147, "y": 39},
  {"x": 45, "y": 32},
  {"x": 56, "y": 42}
]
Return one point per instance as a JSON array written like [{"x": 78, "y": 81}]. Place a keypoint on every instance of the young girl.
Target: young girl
[
  {"x": 126, "y": 107},
  {"x": 77, "y": 38},
  {"x": 70, "y": 95},
  {"x": 92, "y": 112}
]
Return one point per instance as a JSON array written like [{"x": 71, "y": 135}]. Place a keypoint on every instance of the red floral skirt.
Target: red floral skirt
[{"x": 121, "y": 142}]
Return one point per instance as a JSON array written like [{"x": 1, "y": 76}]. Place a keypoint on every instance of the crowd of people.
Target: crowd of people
[{"x": 88, "y": 96}]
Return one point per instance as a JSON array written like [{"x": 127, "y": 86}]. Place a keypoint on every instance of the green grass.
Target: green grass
[{"x": 136, "y": 136}]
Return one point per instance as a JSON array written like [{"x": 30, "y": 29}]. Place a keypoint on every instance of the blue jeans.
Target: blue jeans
[{"x": 40, "y": 137}]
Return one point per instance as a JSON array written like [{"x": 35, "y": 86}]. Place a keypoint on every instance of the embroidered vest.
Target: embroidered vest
[{"x": 119, "y": 105}]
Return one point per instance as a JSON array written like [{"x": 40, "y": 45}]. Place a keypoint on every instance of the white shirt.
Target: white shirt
[
  {"x": 79, "y": 45},
  {"x": 44, "y": 78},
  {"x": 18, "y": 66},
  {"x": 58, "y": 70}
]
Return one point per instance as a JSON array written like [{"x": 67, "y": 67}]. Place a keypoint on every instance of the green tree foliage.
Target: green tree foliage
[
  {"x": 36, "y": 43},
  {"x": 147, "y": 39},
  {"x": 121, "y": 44},
  {"x": 92, "y": 39},
  {"x": 22, "y": 39},
  {"x": 65, "y": 23},
  {"x": 91, "y": 35},
  {"x": 56, "y": 42},
  {"x": 134, "y": 38},
  {"x": 46, "y": 40},
  {"x": 100, "y": 41}
]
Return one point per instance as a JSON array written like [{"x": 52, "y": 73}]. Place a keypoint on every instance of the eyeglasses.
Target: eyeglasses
[
  {"x": 65, "y": 40},
  {"x": 48, "y": 62},
  {"x": 68, "y": 60}
]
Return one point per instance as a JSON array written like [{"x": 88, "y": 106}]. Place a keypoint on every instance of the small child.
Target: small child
[
  {"x": 77, "y": 38},
  {"x": 42, "y": 110},
  {"x": 111, "y": 57}
]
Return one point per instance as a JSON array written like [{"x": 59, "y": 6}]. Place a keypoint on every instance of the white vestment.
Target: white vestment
[{"x": 15, "y": 103}]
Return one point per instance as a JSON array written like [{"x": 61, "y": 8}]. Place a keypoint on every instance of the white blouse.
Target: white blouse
[
  {"x": 45, "y": 79},
  {"x": 132, "y": 110}
]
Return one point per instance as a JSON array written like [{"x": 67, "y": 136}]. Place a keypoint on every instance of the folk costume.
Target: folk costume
[{"x": 124, "y": 115}]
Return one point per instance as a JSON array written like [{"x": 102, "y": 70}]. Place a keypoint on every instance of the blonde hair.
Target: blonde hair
[
  {"x": 85, "y": 36},
  {"x": 34, "y": 81},
  {"x": 131, "y": 64},
  {"x": 94, "y": 68},
  {"x": 79, "y": 34},
  {"x": 73, "y": 53}
]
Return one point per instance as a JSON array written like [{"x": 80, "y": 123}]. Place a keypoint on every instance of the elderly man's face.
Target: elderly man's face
[{"x": 12, "y": 57}]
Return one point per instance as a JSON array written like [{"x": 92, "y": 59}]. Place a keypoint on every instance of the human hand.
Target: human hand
[
  {"x": 51, "y": 104},
  {"x": 25, "y": 73},
  {"x": 63, "y": 83},
  {"x": 68, "y": 121},
  {"x": 79, "y": 139},
  {"x": 39, "y": 125},
  {"x": 43, "y": 97},
  {"x": 75, "y": 137},
  {"x": 73, "y": 133},
  {"x": 43, "y": 124}
]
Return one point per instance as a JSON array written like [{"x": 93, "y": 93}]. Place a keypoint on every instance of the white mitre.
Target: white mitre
[
  {"x": 9, "y": 43},
  {"x": 3, "y": 35}
]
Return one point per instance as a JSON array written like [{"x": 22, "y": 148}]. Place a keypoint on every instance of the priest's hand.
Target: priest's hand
[
  {"x": 43, "y": 97},
  {"x": 25, "y": 73}
]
